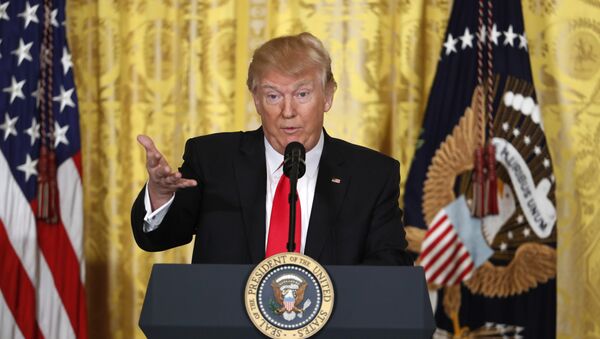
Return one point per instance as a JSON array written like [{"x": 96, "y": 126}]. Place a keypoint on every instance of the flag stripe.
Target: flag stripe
[
  {"x": 442, "y": 252},
  {"x": 71, "y": 208},
  {"x": 439, "y": 271},
  {"x": 17, "y": 289},
  {"x": 454, "y": 268},
  {"x": 77, "y": 162},
  {"x": 437, "y": 228},
  {"x": 426, "y": 261},
  {"x": 436, "y": 241},
  {"x": 51, "y": 315},
  {"x": 450, "y": 257},
  {"x": 8, "y": 326},
  {"x": 430, "y": 238},
  {"x": 63, "y": 264},
  {"x": 15, "y": 210},
  {"x": 442, "y": 246},
  {"x": 19, "y": 221},
  {"x": 466, "y": 273},
  {"x": 437, "y": 221},
  {"x": 453, "y": 265}
]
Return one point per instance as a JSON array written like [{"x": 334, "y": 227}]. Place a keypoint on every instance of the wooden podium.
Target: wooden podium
[{"x": 206, "y": 301}]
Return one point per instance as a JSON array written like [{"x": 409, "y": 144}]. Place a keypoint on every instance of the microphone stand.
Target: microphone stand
[
  {"x": 292, "y": 198},
  {"x": 294, "y": 168}
]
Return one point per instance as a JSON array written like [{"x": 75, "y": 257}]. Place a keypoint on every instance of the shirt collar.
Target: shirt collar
[{"x": 275, "y": 160}]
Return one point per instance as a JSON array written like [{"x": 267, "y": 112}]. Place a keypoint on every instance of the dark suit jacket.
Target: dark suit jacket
[{"x": 356, "y": 221}]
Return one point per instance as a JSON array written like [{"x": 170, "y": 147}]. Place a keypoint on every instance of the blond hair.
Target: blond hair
[{"x": 291, "y": 55}]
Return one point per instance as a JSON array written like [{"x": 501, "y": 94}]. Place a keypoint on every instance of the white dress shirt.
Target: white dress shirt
[
  {"x": 274, "y": 161},
  {"x": 305, "y": 188}
]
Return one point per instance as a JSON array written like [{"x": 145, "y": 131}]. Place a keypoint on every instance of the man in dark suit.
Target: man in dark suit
[{"x": 227, "y": 192}]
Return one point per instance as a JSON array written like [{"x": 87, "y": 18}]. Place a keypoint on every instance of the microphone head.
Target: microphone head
[{"x": 294, "y": 157}]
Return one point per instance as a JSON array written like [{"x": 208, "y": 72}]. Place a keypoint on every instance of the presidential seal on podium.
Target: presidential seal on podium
[{"x": 289, "y": 295}]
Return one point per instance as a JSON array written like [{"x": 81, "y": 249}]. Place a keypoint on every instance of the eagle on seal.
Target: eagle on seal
[{"x": 289, "y": 293}]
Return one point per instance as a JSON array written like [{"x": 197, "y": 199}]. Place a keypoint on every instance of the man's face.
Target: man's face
[{"x": 291, "y": 108}]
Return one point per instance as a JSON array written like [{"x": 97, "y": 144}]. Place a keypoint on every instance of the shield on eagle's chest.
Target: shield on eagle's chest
[{"x": 288, "y": 301}]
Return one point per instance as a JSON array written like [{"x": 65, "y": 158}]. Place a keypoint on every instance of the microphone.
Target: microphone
[
  {"x": 294, "y": 165},
  {"x": 293, "y": 168}
]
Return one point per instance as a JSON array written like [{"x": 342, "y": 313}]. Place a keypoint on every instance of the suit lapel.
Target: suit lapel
[
  {"x": 332, "y": 182},
  {"x": 251, "y": 177}
]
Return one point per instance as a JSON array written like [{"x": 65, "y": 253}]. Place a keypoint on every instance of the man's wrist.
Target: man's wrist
[
  {"x": 157, "y": 202},
  {"x": 158, "y": 199},
  {"x": 154, "y": 216}
]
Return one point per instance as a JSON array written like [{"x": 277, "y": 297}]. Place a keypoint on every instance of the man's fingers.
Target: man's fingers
[
  {"x": 156, "y": 159},
  {"x": 153, "y": 159},
  {"x": 163, "y": 176},
  {"x": 174, "y": 178},
  {"x": 169, "y": 179},
  {"x": 147, "y": 142},
  {"x": 169, "y": 186},
  {"x": 183, "y": 183},
  {"x": 160, "y": 173},
  {"x": 187, "y": 183},
  {"x": 153, "y": 156}
]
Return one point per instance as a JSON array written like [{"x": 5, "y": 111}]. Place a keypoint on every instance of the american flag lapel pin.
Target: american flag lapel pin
[{"x": 336, "y": 180}]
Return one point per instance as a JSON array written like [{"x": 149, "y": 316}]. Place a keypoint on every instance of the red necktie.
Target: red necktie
[{"x": 280, "y": 220}]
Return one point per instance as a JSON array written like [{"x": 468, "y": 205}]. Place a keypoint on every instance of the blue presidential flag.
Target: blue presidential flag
[{"x": 494, "y": 271}]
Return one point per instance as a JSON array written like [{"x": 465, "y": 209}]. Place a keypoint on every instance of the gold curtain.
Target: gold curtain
[{"x": 174, "y": 69}]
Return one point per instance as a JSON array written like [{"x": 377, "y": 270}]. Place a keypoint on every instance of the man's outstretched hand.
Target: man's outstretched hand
[{"x": 162, "y": 182}]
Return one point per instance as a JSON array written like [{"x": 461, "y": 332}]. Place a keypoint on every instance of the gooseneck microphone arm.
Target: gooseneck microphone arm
[{"x": 294, "y": 168}]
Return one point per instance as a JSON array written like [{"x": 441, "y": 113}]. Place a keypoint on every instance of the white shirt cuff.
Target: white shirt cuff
[{"x": 152, "y": 219}]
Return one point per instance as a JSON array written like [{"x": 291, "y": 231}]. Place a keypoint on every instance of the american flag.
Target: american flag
[
  {"x": 444, "y": 257},
  {"x": 454, "y": 245},
  {"x": 41, "y": 257}
]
